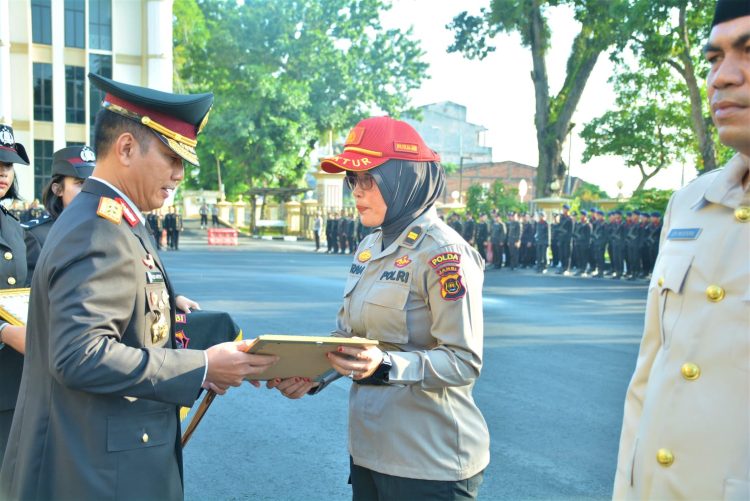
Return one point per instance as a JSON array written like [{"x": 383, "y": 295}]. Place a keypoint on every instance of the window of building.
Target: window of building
[
  {"x": 75, "y": 109},
  {"x": 100, "y": 24},
  {"x": 41, "y": 21},
  {"x": 42, "y": 166},
  {"x": 43, "y": 92},
  {"x": 101, "y": 65},
  {"x": 74, "y": 23}
]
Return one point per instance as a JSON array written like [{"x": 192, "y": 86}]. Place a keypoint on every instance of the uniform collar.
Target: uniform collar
[
  {"x": 407, "y": 239},
  {"x": 726, "y": 187}
]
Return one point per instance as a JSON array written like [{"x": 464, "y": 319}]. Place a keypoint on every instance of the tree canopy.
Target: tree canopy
[
  {"x": 602, "y": 24},
  {"x": 287, "y": 74}
]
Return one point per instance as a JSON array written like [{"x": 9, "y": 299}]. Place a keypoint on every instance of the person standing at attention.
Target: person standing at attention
[{"x": 686, "y": 425}]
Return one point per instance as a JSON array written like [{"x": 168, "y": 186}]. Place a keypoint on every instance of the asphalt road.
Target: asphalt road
[{"x": 559, "y": 352}]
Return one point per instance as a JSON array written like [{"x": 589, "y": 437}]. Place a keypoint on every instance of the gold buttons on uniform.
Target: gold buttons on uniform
[
  {"x": 665, "y": 457},
  {"x": 8, "y": 256},
  {"x": 144, "y": 438},
  {"x": 690, "y": 371},
  {"x": 714, "y": 293},
  {"x": 660, "y": 282},
  {"x": 11, "y": 281},
  {"x": 742, "y": 214}
]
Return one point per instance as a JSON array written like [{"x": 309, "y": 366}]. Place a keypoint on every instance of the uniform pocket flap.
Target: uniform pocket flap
[
  {"x": 388, "y": 295},
  {"x": 137, "y": 431},
  {"x": 672, "y": 272}
]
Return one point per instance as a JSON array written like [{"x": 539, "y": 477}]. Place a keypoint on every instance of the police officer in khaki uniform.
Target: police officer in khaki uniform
[
  {"x": 12, "y": 275},
  {"x": 686, "y": 428},
  {"x": 97, "y": 412},
  {"x": 416, "y": 286}
]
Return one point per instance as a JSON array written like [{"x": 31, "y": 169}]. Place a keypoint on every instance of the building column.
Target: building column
[
  {"x": 159, "y": 50},
  {"x": 58, "y": 75},
  {"x": 5, "y": 106}
]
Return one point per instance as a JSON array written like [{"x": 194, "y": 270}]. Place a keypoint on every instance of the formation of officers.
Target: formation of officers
[
  {"x": 169, "y": 224},
  {"x": 344, "y": 233},
  {"x": 587, "y": 243}
]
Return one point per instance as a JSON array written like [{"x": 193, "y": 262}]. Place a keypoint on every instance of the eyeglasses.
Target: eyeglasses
[{"x": 365, "y": 181}]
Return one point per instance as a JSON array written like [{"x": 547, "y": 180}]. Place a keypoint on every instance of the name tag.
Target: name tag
[
  {"x": 154, "y": 277},
  {"x": 684, "y": 233}
]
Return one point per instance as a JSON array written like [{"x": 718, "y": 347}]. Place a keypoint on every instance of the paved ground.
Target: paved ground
[{"x": 558, "y": 355}]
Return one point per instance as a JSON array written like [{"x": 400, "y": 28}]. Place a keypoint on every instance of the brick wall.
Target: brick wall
[{"x": 508, "y": 172}]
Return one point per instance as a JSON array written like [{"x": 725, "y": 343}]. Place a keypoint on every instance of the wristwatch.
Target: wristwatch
[
  {"x": 3, "y": 325},
  {"x": 381, "y": 374}
]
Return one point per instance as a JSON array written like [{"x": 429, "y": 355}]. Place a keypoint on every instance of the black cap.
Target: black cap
[
  {"x": 74, "y": 161},
  {"x": 11, "y": 152},
  {"x": 726, "y": 10},
  {"x": 177, "y": 119}
]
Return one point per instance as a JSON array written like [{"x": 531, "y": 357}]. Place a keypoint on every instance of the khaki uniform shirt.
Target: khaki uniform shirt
[
  {"x": 686, "y": 428},
  {"x": 423, "y": 297}
]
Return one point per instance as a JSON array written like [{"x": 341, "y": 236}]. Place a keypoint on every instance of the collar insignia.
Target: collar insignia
[
  {"x": 402, "y": 261},
  {"x": 364, "y": 256}
]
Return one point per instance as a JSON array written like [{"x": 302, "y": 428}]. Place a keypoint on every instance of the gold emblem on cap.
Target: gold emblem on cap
[
  {"x": 204, "y": 121},
  {"x": 364, "y": 256},
  {"x": 110, "y": 210}
]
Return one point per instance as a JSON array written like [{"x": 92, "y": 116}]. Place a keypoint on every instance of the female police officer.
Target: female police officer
[
  {"x": 70, "y": 168},
  {"x": 416, "y": 286},
  {"x": 12, "y": 275}
]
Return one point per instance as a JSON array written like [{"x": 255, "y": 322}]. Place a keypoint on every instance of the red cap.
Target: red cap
[{"x": 374, "y": 141}]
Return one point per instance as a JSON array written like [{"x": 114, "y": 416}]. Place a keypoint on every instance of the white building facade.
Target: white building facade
[{"x": 47, "y": 47}]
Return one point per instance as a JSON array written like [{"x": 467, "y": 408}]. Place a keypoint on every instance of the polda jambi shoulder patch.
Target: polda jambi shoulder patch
[
  {"x": 452, "y": 287},
  {"x": 448, "y": 266}
]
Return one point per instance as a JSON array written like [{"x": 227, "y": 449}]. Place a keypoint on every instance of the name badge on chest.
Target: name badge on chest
[
  {"x": 684, "y": 233},
  {"x": 154, "y": 277}
]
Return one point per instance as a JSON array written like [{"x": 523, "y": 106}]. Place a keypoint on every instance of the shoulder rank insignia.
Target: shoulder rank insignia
[
  {"x": 412, "y": 237},
  {"x": 364, "y": 256},
  {"x": 110, "y": 210},
  {"x": 130, "y": 216}
]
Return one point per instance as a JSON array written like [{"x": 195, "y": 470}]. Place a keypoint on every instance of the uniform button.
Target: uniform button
[
  {"x": 714, "y": 293},
  {"x": 8, "y": 256},
  {"x": 11, "y": 281},
  {"x": 690, "y": 371},
  {"x": 742, "y": 214},
  {"x": 660, "y": 282},
  {"x": 144, "y": 438},
  {"x": 665, "y": 457}
]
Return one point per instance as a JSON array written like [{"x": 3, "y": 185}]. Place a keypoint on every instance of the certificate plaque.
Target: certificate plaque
[
  {"x": 14, "y": 305},
  {"x": 301, "y": 356}
]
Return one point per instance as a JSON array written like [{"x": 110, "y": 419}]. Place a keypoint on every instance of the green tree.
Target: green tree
[
  {"x": 649, "y": 127},
  {"x": 286, "y": 74},
  {"x": 589, "y": 194},
  {"x": 603, "y": 24},
  {"x": 671, "y": 36},
  {"x": 648, "y": 200},
  {"x": 482, "y": 200}
]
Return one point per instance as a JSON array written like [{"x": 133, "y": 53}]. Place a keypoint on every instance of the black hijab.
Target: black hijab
[{"x": 409, "y": 190}]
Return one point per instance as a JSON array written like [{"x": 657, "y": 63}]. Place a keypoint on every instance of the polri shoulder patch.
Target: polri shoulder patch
[
  {"x": 412, "y": 237},
  {"x": 110, "y": 210}
]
